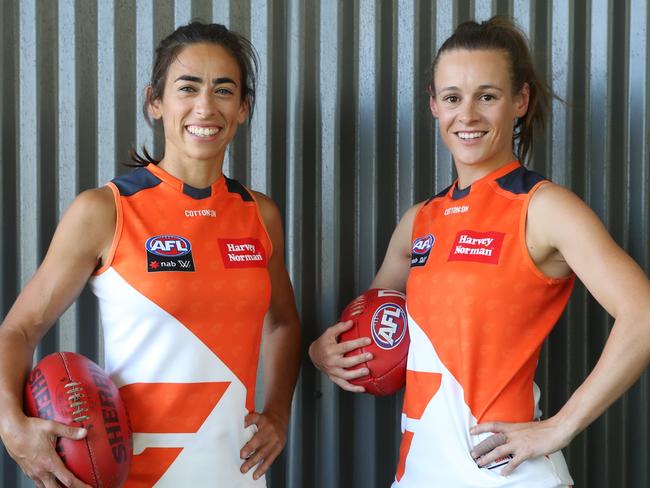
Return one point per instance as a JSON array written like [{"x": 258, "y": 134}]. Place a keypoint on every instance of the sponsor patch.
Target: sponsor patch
[
  {"x": 244, "y": 252},
  {"x": 388, "y": 325},
  {"x": 169, "y": 253},
  {"x": 480, "y": 247},
  {"x": 421, "y": 249},
  {"x": 206, "y": 212},
  {"x": 456, "y": 210}
]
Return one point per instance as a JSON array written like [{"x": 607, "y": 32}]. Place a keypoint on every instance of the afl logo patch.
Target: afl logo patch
[
  {"x": 388, "y": 326},
  {"x": 421, "y": 249},
  {"x": 169, "y": 253}
]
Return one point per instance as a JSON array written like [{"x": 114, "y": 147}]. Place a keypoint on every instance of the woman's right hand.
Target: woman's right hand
[
  {"x": 328, "y": 355},
  {"x": 31, "y": 443}
]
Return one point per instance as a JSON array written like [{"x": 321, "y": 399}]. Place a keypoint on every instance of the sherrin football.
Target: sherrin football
[
  {"x": 71, "y": 389},
  {"x": 381, "y": 315}
]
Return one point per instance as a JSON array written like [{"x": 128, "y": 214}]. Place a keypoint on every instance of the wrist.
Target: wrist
[{"x": 10, "y": 419}]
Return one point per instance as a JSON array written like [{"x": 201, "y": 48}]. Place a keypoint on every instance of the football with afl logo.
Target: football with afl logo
[
  {"x": 380, "y": 314},
  {"x": 71, "y": 389}
]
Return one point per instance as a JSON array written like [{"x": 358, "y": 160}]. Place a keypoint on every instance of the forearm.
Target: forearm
[
  {"x": 281, "y": 362},
  {"x": 15, "y": 362},
  {"x": 625, "y": 356}
]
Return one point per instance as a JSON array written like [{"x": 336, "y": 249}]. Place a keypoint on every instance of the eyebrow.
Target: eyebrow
[
  {"x": 215, "y": 81},
  {"x": 480, "y": 87}
]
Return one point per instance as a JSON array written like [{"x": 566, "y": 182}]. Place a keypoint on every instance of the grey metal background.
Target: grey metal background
[{"x": 343, "y": 141}]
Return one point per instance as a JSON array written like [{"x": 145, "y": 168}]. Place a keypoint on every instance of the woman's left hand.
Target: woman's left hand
[
  {"x": 266, "y": 444},
  {"x": 521, "y": 441}
]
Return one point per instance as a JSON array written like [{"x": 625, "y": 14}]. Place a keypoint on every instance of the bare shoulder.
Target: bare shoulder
[
  {"x": 556, "y": 212},
  {"x": 92, "y": 215},
  {"x": 268, "y": 209}
]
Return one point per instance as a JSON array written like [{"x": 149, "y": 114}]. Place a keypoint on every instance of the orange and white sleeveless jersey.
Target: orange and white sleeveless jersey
[
  {"x": 182, "y": 300},
  {"x": 479, "y": 311}
]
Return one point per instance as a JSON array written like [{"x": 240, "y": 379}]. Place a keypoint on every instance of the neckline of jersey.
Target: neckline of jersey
[
  {"x": 182, "y": 187},
  {"x": 495, "y": 174}
]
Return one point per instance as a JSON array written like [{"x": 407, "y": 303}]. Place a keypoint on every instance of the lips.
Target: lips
[
  {"x": 201, "y": 131},
  {"x": 470, "y": 135}
]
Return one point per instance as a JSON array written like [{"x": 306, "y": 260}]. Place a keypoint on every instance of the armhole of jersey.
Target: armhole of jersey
[
  {"x": 522, "y": 239},
  {"x": 118, "y": 229},
  {"x": 261, "y": 219},
  {"x": 415, "y": 218}
]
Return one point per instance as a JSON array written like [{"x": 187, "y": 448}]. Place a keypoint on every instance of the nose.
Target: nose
[
  {"x": 468, "y": 112},
  {"x": 204, "y": 104}
]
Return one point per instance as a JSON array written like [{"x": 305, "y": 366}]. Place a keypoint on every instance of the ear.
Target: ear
[
  {"x": 521, "y": 101},
  {"x": 243, "y": 112},
  {"x": 433, "y": 105},
  {"x": 153, "y": 106}
]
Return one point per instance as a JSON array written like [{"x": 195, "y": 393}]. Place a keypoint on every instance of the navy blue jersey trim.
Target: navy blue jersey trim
[
  {"x": 135, "y": 181},
  {"x": 235, "y": 186},
  {"x": 438, "y": 195},
  {"x": 458, "y": 194},
  {"x": 197, "y": 193},
  {"x": 520, "y": 180}
]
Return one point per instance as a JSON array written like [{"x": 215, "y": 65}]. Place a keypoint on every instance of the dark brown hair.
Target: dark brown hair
[
  {"x": 500, "y": 33},
  {"x": 171, "y": 46}
]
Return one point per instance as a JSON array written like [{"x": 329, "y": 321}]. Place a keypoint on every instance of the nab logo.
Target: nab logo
[
  {"x": 168, "y": 246},
  {"x": 388, "y": 326},
  {"x": 422, "y": 245}
]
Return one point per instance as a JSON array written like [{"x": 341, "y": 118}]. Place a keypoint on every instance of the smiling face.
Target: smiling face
[
  {"x": 476, "y": 107},
  {"x": 201, "y": 106}
]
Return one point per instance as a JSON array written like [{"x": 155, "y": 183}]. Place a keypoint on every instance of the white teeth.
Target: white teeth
[
  {"x": 470, "y": 135},
  {"x": 202, "y": 131}
]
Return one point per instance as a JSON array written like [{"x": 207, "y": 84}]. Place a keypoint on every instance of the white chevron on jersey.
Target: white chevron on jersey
[
  {"x": 439, "y": 452},
  {"x": 160, "y": 349}
]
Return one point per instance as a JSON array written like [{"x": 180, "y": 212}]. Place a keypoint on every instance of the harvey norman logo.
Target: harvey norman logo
[
  {"x": 245, "y": 252},
  {"x": 482, "y": 247}
]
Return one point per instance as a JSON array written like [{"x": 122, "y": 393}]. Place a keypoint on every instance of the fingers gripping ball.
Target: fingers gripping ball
[
  {"x": 71, "y": 389},
  {"x": 381, "y": 315}
]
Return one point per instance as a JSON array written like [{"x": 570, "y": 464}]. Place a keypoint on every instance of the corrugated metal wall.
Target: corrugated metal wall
[{"x": 343, "y": 141}]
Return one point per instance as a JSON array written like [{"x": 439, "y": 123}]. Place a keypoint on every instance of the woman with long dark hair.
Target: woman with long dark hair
[{"x": 188, "y": 266}]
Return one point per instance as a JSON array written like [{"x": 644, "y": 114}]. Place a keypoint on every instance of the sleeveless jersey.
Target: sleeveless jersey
[
  {"x": 478, "y": 311},
  {"x": 182, "y": 300}
]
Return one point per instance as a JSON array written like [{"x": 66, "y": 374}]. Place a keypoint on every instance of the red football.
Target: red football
[
  {"x": 381, "y": 315},
  {"x": 71, "y": 389}
]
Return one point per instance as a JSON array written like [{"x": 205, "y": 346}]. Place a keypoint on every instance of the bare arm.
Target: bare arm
[
  {"x": 83, "y": 235},
  {"x": 560, "y": 221},
  {"x": 326, "y": 352},
  {"x": 280, "y": 355}
]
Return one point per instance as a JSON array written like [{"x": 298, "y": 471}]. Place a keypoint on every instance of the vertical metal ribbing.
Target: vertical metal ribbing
[
  {"x": 483, "y": 10},
  {"x": 638, "y": 218},
  {"x": 407, "y": 86},
  {"x": 28, "y": 143},
  {"x": 445, "y": 22},
  {"x": 521, "y": 14},
  {"x": 106, "y": 115},
  {"x": 560, "y": 76},
  {"x": 67, "y": 143},
  {"x": 295, "y": 213},
  {"x": 328, "y": 151},
  {"x": 144, "y": 40},
  {"x": 260, "y": 125},
  {"x": 367, "y": 124},
  {"x": 182, "y": 12},
  {"x": 597, "y": 152}
]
